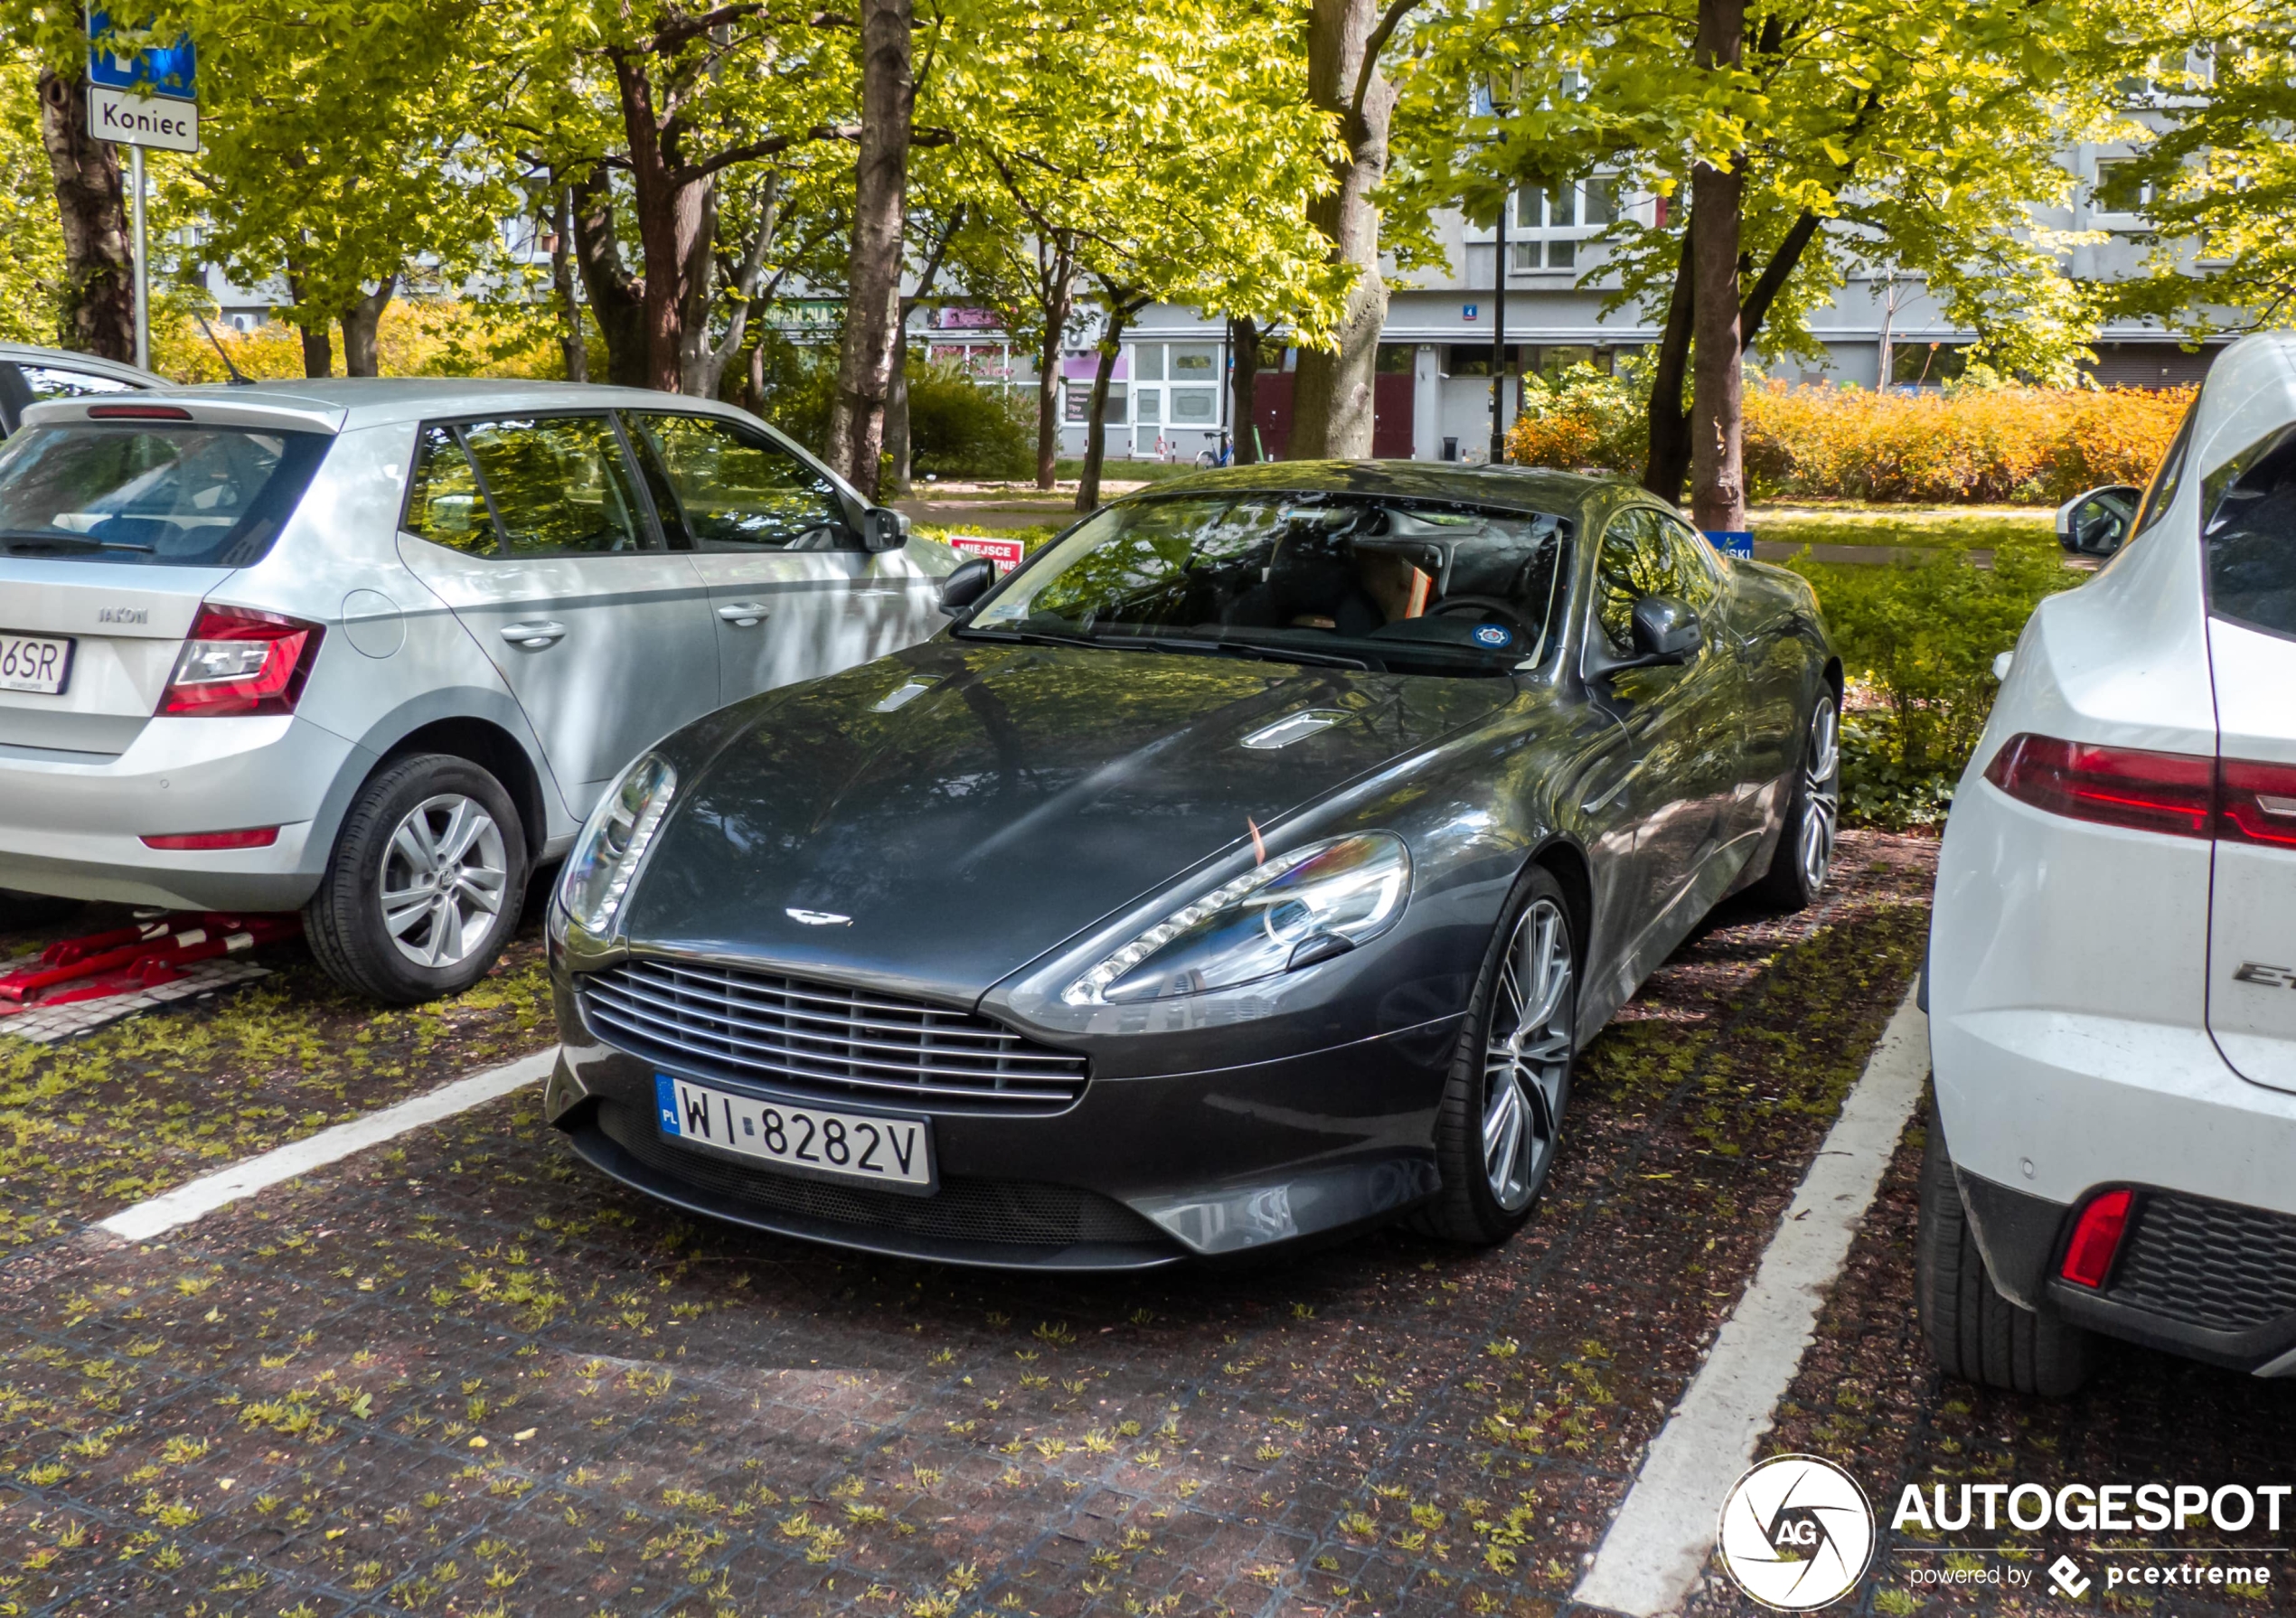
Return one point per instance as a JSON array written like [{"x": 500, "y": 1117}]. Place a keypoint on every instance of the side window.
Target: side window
[
  {"x": 52, "y": 381},
  {"x": 560, "y": 485},
  {"x": 1692, "y": 565},
  {"x": 445, "y": 503},
  {"x": 2252, "y": 537},
  {"x": 2163, "y": 491},
  {"x": 740, "y": 491},
  {"x": 1633, "y": 563}
]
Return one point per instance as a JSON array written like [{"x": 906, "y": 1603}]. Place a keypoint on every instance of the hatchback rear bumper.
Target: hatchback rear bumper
[{"x": 74, "y": 826}]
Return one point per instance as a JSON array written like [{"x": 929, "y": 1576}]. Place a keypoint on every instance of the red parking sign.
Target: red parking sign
[{"x": 1005, "y": 553}]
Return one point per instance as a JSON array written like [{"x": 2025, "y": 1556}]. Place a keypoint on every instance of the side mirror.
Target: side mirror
[
  {"x": 966, "y": 583},
  {"x": 1666, "y": 631},
  {"x": 2097, "y": 521},
  {"x": 884, "y": 528}
]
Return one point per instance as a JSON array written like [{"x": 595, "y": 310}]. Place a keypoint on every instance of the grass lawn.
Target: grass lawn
[{"x": 1928, "y": 527}]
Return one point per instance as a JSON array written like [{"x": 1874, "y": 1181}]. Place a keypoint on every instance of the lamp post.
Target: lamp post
[{"x": 1503, "y": 85}]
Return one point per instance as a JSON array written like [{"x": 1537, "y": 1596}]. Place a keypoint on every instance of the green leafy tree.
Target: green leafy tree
[
  {"x": 1811, "y": 140},
  {"x": 32, "y": 272}
]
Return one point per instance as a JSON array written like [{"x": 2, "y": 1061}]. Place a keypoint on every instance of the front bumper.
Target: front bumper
[
  {"x": 73, "y": 824},
  {"x": 1138, "y": 1171}
]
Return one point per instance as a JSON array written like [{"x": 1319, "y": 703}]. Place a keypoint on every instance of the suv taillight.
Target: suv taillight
[
  {"x": 2183, "y": 794},
  {"x": 238, "y": 661}
]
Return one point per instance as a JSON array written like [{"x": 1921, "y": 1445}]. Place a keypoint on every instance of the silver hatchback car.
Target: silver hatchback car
[{"x": 373, "y": 649}]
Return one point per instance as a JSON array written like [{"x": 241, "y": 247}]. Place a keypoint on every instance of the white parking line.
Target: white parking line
[
  {"x": 1658, "y": 1546},
  {"x": 185, "y": 1203}
]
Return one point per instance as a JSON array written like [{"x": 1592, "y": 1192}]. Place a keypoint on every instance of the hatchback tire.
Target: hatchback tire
[
  {"x": 1499, "y": 1125},
  {"x": 1972, "y": 1332},
  {"x": 425, "y": 884},
  {"x": 1804, "y": 856}
]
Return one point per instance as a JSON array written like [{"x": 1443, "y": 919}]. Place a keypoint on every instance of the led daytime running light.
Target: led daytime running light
[
  {"x": 1087, "y": 990},
  {"x": 626, "y": 866}
]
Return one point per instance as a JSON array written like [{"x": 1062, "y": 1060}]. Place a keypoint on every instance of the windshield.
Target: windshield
[
  {"x": 145, "y": 492},
  {"x": 1306, "y": 579}
]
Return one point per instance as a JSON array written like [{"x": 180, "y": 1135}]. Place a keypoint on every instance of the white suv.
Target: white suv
[
  {"x": 372, "y": 649},
  {"x": 2112, "y": 978}
]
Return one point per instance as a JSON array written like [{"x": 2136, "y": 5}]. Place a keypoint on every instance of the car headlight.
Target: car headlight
[
  {"x": 1295, "y": 909},
  {"x": 612, "y": 844}
]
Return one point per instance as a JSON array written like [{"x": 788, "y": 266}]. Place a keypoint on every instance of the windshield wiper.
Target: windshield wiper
[
  {"x": 15, "y": 539},
  {"x": 1253, "y": 649},
  {"x": 1027, "y": 637}
]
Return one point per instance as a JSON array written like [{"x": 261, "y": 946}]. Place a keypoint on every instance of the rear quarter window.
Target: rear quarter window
[{"x": 2251, "y": 536}]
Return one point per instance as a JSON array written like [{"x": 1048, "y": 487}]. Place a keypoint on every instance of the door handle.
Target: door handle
[
  {"x": 536, "y": 636},
  {"x": 743, "y": 614}
]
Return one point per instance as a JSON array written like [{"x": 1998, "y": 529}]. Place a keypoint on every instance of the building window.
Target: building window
[
  {"x": 1550, "y": 225},
  {"x": 1079, "y": 404},
  {"x": 2119, "y": 188}
]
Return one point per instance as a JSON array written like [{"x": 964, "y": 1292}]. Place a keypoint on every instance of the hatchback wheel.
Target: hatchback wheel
[
  {"x": 424, "y": 889},
  {"x": 1804, "y": 858},
  {"x": 1501, "y": 1118}
]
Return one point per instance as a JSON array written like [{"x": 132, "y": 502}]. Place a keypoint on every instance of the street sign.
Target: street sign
[
  {"x": 170, "y": 70},
  {"x": 142, "y": 121},
  {"x": 1005, "y": 553}
]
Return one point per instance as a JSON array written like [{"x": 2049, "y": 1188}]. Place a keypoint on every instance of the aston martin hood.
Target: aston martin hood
[{"x": 937, "y": 819}]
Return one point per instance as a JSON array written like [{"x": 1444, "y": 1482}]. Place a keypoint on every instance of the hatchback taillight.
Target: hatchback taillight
[
  {"x": 238, "y": 661},
  {"x": 2185, "y": 794}
]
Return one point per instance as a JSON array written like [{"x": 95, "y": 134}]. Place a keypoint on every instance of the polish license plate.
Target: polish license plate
[
  {"x": 35, "y": 663},
  {"x": 895, "y": 1152}
]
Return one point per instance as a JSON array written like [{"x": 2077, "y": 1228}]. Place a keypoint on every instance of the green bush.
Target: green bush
[
  {"x": 958, "y": 429},
  {"x": 800, "y": 381},
  {"x": 1917, "y": 642}
]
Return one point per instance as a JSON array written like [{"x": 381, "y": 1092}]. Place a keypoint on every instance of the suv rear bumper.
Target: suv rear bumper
[{"x": 76, "y": 828}]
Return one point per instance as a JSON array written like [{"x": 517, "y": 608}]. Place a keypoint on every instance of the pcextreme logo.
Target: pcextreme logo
[{"x": 1796, "y": 1533}]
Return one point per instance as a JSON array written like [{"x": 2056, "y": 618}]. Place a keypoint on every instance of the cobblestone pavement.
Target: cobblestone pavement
[
  {"x": 465, "y": 1375},
  {"x": 1869, "y": 1398}
]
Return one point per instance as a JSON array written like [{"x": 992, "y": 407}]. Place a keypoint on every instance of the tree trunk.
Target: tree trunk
[
  {"x": 672, "y": 208},
  {"x": 899, "y": 448},
  {"x": 616, "y": 297},
  {"x": 1243, "y": 385},
  {"x": 99, "y": 278},
  {"x": 570, "y": 310},
  {"x": 1055, "y": 294},
  {"x": 1332, "y": 403},
  {"x": 1095, "y": 429},
  {"x": 1717, "y": 199},
  {"x": 360, "y": 324},
  {"x": 705, "y": 367},
  {"x": 1669, "y": 422},
  {"x": 318, "y": 350},
  {"x": 873, "y": 274}
]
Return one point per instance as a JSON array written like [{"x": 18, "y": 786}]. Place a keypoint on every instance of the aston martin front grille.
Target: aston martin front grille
[{"x": 824, "y": 1038}]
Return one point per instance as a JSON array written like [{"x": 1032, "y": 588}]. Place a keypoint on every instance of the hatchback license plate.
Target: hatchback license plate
[
  {"x": 848, "y": 1145},
  {"x": 35, "y": 663}
]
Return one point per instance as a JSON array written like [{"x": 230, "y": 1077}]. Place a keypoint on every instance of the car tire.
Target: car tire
[
  {"x": 1972, "y": 1332},
  {"x": 1804, "y": 855},
  {"x": 446, "y": 831},
  {"x": 20, "y": 912},
  {"x": 1519, "y": 1031}
]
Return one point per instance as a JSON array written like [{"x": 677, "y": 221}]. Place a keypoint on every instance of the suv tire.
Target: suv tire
[
  {"x": 1973, "y": 1331},
  {"x": 447, "y": 832}
]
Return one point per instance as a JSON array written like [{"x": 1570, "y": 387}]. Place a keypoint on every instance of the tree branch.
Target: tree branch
[{"x": 1375, "y": 42}]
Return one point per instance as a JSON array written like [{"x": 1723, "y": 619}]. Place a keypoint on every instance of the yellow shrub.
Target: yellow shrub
[
  {"x": 2031, "y": 446},
  {"x": 417, "y": 337}
]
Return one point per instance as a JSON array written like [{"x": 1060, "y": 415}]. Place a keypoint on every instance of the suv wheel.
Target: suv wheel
[
  {"x": 1974, "y": 1332},
  {"x": 424, "y": 887}
]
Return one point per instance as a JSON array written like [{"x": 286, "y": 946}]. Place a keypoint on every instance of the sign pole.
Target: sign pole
[{"x": 143, "y": 264}]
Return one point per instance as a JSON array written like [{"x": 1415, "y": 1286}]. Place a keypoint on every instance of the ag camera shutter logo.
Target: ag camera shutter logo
[{"x": 1796, "y": 1533}]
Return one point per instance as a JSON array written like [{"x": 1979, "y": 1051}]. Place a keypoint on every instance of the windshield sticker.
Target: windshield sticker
[{"x": 1497, "y": 637}]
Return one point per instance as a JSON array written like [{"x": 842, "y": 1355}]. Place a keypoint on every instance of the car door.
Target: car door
[
  {"x": 1757, "y": 680},
  {"x": 772, "y": 540},
  {"x": 1681, "y": 738},
  {"x": 533, "y": 531},
  {"x": 2250, "y": 541}
]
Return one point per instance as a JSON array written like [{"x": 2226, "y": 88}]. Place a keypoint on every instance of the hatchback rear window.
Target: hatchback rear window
[{"x": 189, "y": 496}]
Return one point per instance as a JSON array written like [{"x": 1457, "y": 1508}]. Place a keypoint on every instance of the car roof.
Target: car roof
[
  {"x": 376, "y": 401},
  {"x": 25, "y": 353},
  {"x": 1511, "y": 488}
]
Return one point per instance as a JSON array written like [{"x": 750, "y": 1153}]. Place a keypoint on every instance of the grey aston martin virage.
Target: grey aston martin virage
[{"x": 1246, "y": 867}]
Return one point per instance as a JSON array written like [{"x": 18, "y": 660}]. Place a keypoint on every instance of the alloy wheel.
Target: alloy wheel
[
  {"x": 1527, "y": 1060},
  {"x": 444, "y": 880},
  {"x": 1821, "y": 792}
]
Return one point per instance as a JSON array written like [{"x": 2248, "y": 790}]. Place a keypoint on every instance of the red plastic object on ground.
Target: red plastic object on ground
[{"x": 124, "y": 960}]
